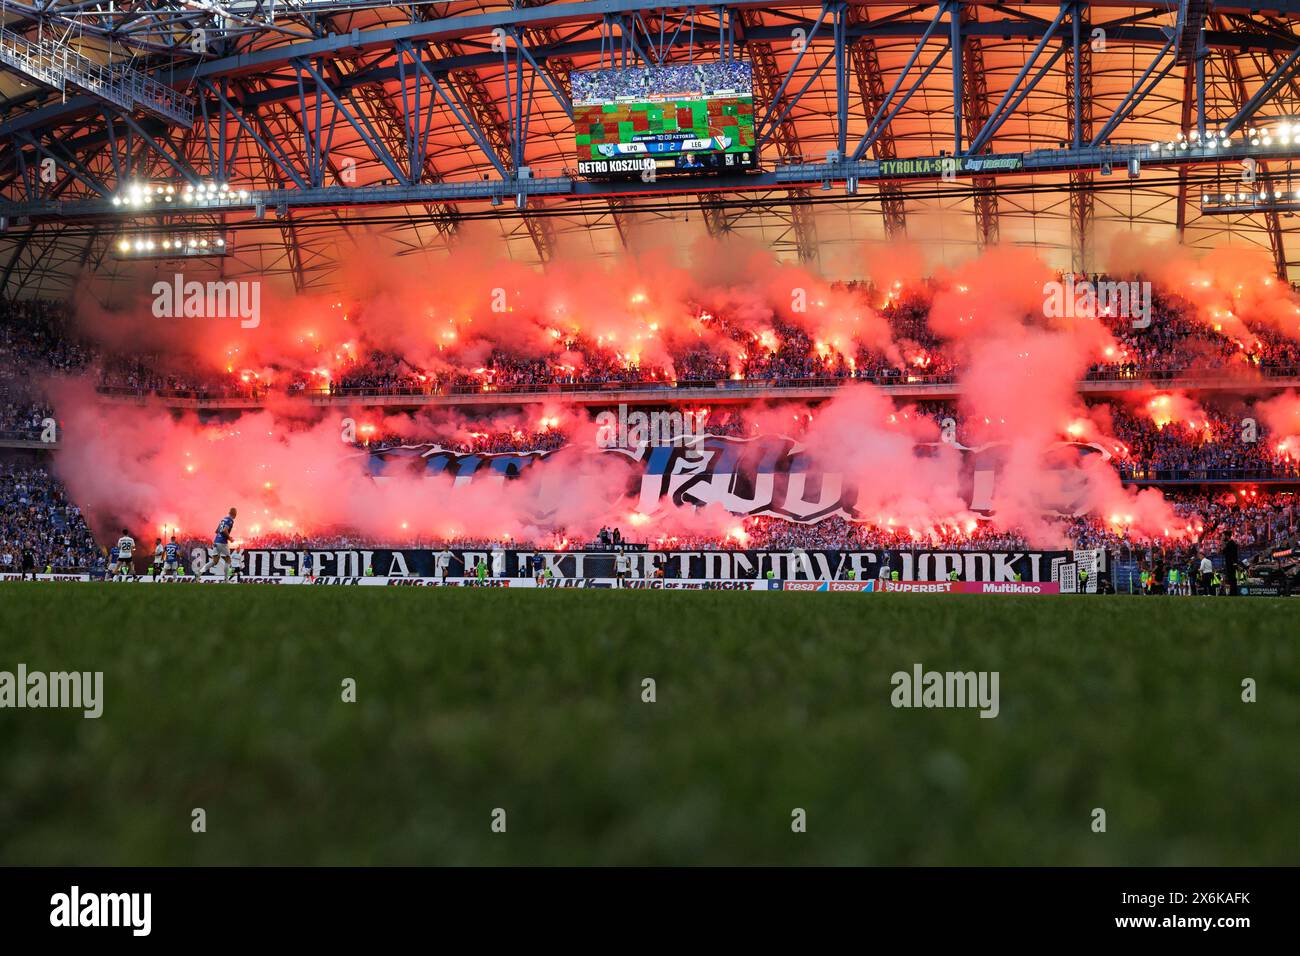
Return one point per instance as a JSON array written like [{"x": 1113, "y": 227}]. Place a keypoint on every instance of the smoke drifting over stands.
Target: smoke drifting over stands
[{"x": 734, "y": 317}]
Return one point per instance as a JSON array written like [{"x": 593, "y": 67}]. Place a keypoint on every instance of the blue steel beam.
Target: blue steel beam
[
  {"x": 1079, "y": 113},
  {"x": 976, "y": 94},
  {"x": 357, "y": 120},
  {"x": 67, "y": 163},
  {"x": 956, "y": 52},
  {"x": 268, "y": 59},
  {"x": 874, "y": 133},
  {"x": 1272, "y": 84},
  {"x": 841, "y": 78},
  {"x": 1136, "y": 94},
  {"x": 721, "y": 221},
  {"x": 784, "y": 177},
  {"x": 881, "y": 111},
  {"x": 968, "y": 29},
  {"x": 763, "y": 126},
  {"x": 268, "y": 148},
  {"x": 467, "y": 122},
  {"x": 1272, "y": 222},
  {"x": 871, "y": 91},
  {"x": 1013, "y": 29},
  {"x": 1001, "y": 112}
]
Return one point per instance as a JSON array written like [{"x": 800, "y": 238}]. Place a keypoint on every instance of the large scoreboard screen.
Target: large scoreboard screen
[{"x": 665, "y": 120}]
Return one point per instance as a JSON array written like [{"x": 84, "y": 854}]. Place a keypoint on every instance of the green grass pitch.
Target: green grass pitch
[{"x": 229, "y": 699}]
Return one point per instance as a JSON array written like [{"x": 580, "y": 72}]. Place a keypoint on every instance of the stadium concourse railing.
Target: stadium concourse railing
[
  {"x": 1254, "y": 475},
  {"x": 184, "y": 397},
  {"x": 603, "y": 393},
  {"x": 913, "y": 386},
  {"x": 24, "y": 438}
]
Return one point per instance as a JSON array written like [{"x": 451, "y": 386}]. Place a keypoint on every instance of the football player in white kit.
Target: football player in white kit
[
  {"x": 125, "y": 552},
  {"x": 442, "y": 564}
]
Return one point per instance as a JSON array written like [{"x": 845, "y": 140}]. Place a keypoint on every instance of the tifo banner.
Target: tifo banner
[
  {"x": 769, "y": 475},
  {"x": 845, "y": 566},
  {"x": 843, "y": 570},
  {"x": 633, "y": 584}
]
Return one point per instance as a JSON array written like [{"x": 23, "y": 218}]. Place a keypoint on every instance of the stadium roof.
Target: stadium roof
[{"x": 300, "y": 96}]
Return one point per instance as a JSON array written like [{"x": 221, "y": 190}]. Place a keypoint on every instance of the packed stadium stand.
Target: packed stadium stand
[
  {"x": 1222, "y": 487},
  {"x": 752, "y": 285}
]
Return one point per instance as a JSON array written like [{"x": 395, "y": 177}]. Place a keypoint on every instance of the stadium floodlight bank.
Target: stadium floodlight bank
[{"x": 188, "y": 245}]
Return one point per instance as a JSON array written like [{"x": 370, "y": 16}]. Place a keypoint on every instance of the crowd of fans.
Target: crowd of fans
[
  {"x": 40, "y": 529},
  {"x": 381, "y": 372},
  {"x": 1175, "y": 342},
  {"x": 38, "y": 335},
  {"x": 37, "y": 339},
  {"x": 35, "y": 342},
  {"x": 490, "y": 441},
  {"x": 137, "y": 376},
  {"x": 780, "y": 535},
  {"x": 1211, "y": 447},
  {"x": 1252, "y": 519},
  {"x": 22, "y": 417},
  {"x": 671, "y": 80},
  {"x": 1172, "y": 344}
]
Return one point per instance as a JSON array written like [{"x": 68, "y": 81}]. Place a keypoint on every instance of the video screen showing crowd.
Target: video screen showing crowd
[{"x": 672, "y": 119}]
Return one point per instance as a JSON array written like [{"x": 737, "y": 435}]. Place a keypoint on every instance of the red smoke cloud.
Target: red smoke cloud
[
  {"x": 1281, "y": 416},
  {"x": 287, "y": 469}
]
